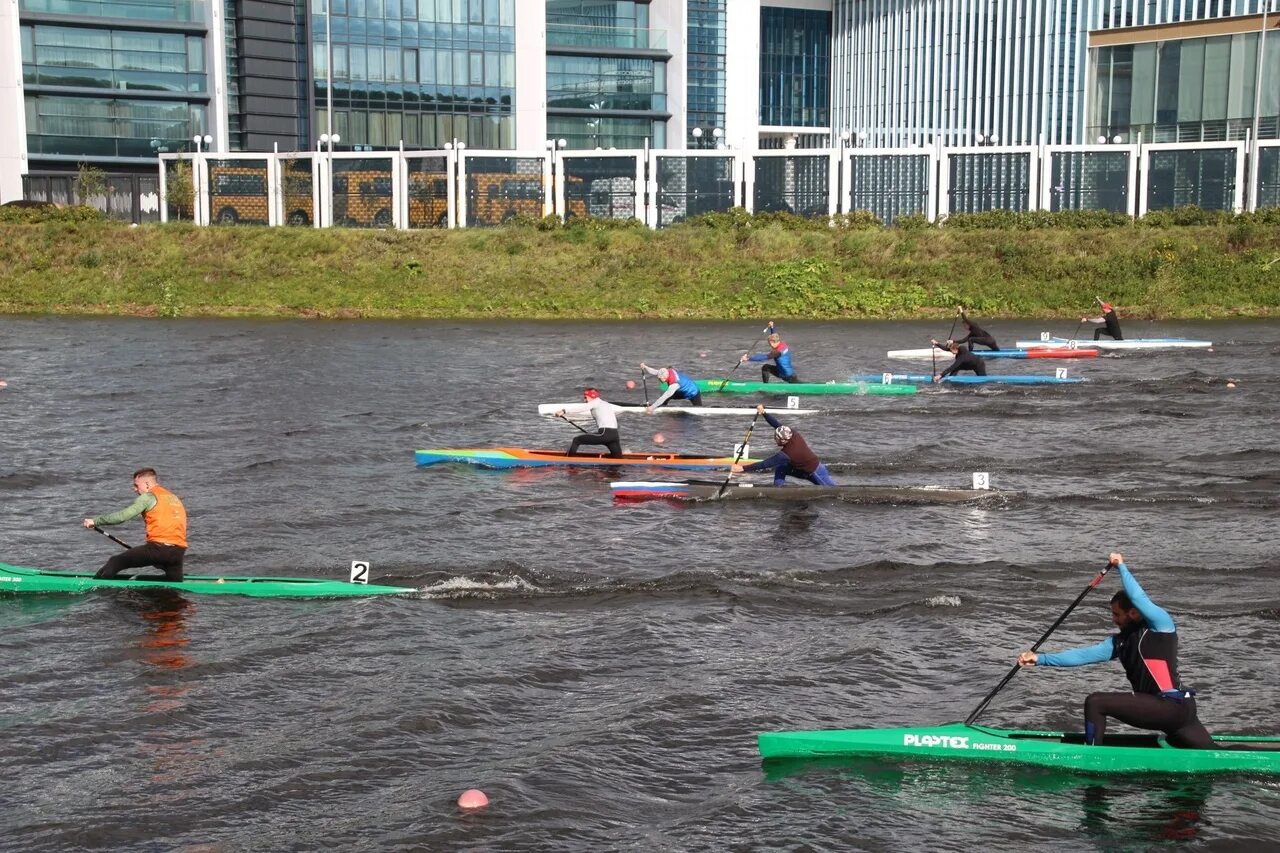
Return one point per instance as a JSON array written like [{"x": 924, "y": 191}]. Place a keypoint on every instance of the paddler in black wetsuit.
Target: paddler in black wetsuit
[
  {"x": 1147, "y": 648},
  {"x": 1112, "y": 323},
  {"x": 965, "y": 360},
  {"x": 976, "y": 334}
]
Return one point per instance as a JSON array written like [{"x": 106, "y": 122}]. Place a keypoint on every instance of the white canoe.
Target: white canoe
[
  {"x": 549, "y": 410},
  {"x": 1051, "y": 342}
]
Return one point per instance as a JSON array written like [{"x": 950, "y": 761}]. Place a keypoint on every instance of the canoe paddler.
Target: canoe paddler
[
  {"x": 975, "y": 334},
  {"x": 1147, "y": 648},
  {"x": 793, "y": 459},
  {"x": 679, "y": 387},
  {"x": 1111, "y": 323},
  {"x": 606, "y": 418},
  {"x": 964, "y": 360},
  {"x": 166, "y": 520},
  {"x": 779, "y": 353}
]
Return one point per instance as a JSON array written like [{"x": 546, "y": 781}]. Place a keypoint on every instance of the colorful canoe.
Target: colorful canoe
[
  {"x": 516, "y": 457},
  {"x": 1039, "y": 352},
  {"x": 723, "y": 386},
  {"x": 993, "y": 379},
  {"x": 706, "y": 490},
  {"x": 549, "y": 410},
  {"x": 1050, "y": 342},
  {"x": 16, "y": 579},
  {"x": 1062, "y": 751}
]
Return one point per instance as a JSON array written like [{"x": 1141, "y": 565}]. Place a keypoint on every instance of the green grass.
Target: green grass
[{"x": 756, "y": 269}]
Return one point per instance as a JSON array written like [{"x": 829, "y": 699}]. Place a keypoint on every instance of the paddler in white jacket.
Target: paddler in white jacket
[{"x": 606, "y": 418}]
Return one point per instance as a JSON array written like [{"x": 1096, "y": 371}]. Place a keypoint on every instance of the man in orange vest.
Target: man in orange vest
[{"x": 166, "y": 520}]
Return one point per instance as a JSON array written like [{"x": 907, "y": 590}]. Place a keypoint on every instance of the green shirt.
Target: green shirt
[{"x": 145, "y": 501}]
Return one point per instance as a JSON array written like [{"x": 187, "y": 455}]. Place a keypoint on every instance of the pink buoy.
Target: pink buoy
[
  {"x": 631, "y": 383},
  {"x": 472, "y": 798},
  {"x": 659, "y": 438}
]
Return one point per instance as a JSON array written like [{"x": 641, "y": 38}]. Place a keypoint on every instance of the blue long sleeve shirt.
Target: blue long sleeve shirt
[{"x": 1156, "y": 617}]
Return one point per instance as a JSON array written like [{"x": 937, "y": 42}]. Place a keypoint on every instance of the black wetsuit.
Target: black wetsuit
[
  {"x": 1112, "y": 327},
  {"x": 965, "y": 360},
  {"x": 609, "y": 437},
  {"x": 977, "y": 335}
]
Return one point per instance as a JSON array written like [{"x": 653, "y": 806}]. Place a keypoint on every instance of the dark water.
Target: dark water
[{"x": 599, "y": 670}]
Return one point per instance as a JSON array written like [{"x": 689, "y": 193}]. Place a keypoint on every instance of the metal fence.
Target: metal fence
[{"x": 459, "y": 188}]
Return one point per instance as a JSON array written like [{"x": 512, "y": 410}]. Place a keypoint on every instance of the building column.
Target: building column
[
  {"x": 742, "y": 74},
  {"x": 531, "y": 75},
  {"x": 13, "y": 130}
]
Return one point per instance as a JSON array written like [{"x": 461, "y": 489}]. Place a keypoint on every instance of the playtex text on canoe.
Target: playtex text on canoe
[{"x": 953, "y": 742}]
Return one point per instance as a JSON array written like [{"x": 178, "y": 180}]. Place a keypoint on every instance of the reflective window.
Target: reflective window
[
  {"x": 108, "y": 127},
  {"x": 113, "y": 59},
  {"x": 605, "y": 83},
  {"x": 795, "y": 67},
  {"x": 1199, "y": 89},
  {"x": 705, "y": 98},
  {"x": 405, "y": 69},
  {"x": 148, "y": 10}
]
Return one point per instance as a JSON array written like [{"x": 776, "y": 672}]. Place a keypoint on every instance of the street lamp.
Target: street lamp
[
  {"x": 1257, "y": 107},
  {"x": 207, "y": 141}
]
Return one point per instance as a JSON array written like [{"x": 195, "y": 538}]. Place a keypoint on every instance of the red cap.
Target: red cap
[
  {"x": 591, "y": 393},
  {"x": 1106, "y": 306}
]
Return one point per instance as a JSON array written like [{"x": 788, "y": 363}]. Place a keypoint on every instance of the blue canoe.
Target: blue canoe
[{"x": 925, "y": 379}]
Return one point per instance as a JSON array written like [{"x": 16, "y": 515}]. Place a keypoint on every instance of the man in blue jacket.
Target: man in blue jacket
[{"x": 1147, "y": 648}]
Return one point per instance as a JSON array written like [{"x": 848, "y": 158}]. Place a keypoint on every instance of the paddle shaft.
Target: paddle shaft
[
  {"x": 746, "y": 439},
  {"x": 119, "y": 542},
  {"x": 1009, "y": 677},
  {"x": 575, "y": 426},
  {"x": 644, "y": 380},
  {"x": 725, "y": 381}
]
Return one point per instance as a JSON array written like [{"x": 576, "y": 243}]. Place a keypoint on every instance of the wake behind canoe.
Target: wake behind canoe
[
  {"x": 1121, "y": 754},
  {"x": 516, "y": 457},
  {"x": 723, "y": 386},
  {"x": 17, "y": 579}
]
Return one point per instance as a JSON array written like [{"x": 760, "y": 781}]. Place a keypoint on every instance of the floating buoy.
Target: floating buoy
[
  {"x": 631, "y": 383},
  {"x": 702, "y": 355},
  {"x": 1210, "y": 349},
  {"x": 472, "y": 798},
  {"x": 659, "y": 438},
  {"x": 1231, "y": 384}
]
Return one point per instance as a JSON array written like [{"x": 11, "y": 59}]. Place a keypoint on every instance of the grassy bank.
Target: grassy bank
[{"x": 745, "y": 268}]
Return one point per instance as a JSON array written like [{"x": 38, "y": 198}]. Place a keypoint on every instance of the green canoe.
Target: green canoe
[
  {"x": 15, "y": 579},
  {"x": 723, "y": 386},
  {"x": 1067, "y": 751}
]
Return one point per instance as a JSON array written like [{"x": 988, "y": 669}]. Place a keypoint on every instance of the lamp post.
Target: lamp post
[{"x": 328, "y": 140}]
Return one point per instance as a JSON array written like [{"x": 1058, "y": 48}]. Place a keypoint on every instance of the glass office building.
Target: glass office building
[
  {"x": 705, "y": 84},
  {"x": 606, "y": 75},
  {"x": 112, "y": 82},
  {"x": 425, "y": 72},
  {"x": 1188, "y": 90},
  {"x": 795, "y": 67}
]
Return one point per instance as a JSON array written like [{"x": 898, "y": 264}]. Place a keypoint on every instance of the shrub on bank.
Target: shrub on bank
[{"x": 49, "y": 213}]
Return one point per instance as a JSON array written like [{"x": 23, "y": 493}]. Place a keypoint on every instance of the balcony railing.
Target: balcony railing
[{"x": 593, "y": 35}]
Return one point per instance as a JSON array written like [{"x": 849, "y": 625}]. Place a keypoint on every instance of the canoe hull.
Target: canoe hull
[
  {"x": 1109, "y": 345},
  {"x": 17, "y": 579},
  {"x": 1123, "y": 754},
  {"x": 723, "y": 386},
  {"x": 1038, "y": 352},
  {"x": 549, "y": 410},
  {"x": 696, "y": 490},
  {"x": 515, "y": 457},
  {"x": 993, "y": 379}
]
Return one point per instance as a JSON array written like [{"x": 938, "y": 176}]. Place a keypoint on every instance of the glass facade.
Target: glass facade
[
  {"x": 592, "y": 23},
  {"x": 153, "y": 85},
  {"x": 181, "y": 11},
  {"x": 615, "y": 96},
  {"x": 110, "y": 127},
  {"x": 112, "y": 59},
  {"x": 1185, "y": 91},
  {"x": 422, "y": 71},
  {"x": 706, "y": 71},
  {"x": 795, "y": 67}
]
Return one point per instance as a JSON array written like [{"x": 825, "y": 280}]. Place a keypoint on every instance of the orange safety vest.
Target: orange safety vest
[{"x": 167, "y": 520}]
